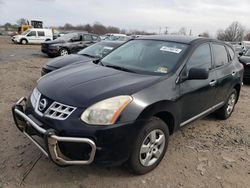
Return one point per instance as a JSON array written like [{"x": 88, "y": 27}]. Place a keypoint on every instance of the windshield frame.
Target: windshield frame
[
  {"x": 145, "y": 72},
  {"x": 26, "y": 32}
]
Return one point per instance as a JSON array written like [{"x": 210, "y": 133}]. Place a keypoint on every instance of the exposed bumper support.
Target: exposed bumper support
[{"x": 50, "y": 138}]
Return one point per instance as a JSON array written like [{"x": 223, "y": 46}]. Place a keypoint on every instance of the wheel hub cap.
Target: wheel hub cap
[
  {"x": 152, "y": 148},
  {"x": 231, "y": 103}
]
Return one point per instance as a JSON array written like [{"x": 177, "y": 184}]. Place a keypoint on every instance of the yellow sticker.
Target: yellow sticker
[{"x": 162, "y": 69}]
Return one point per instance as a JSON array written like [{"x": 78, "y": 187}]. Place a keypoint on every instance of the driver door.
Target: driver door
[
  {"x": 32, "y": 37},
  {"x": 197, "y": 95}
]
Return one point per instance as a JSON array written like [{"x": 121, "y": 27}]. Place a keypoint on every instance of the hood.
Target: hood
[
  {"x": 62, "y": 61},
  {"x": 244, "y": 59},
  {"x": 85, "y": 84}
]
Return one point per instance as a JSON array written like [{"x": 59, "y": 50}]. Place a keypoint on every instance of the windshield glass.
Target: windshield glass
[
  {"x": 68, "y": 36},
  {"x": 247, "y": 52},
  {"x": 98, "y": 50},
  {"x": 25, "y": 32},
  {"x": 148, "y": 56}
]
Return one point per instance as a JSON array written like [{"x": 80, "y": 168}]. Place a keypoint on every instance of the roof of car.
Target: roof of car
[
  {"x": 112, "y": 43},
  {"x": 176, "y": 38}
]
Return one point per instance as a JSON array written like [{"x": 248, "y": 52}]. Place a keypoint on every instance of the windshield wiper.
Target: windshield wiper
[
  {"x": 119, "y": 68},
  {"x": 89, "y": 55}
]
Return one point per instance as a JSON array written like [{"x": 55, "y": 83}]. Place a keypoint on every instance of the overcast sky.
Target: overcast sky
[{"x": 149, "y": 15}]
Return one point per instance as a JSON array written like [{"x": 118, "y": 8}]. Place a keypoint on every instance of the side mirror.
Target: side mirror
[
  {"x": 197, "y": 74},
  {"x": 241, "y": 53}
]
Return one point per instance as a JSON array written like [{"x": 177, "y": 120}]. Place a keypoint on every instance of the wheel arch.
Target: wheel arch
[
  {"x": 164, "y": 110},
  {"x": 237, "y": 87}
]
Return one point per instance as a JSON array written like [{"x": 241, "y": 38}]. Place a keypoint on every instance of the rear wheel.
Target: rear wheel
[
  {"x": 225, "y": 111},
  {"x": 150, "y": 147},
  {"x": 24, "y": 41},
  {"x": 63, "y": 52}
]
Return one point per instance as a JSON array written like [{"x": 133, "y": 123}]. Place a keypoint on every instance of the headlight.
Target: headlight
[
  {"x": 107, "y": 111},
  {"x": 34, "y": 97}
]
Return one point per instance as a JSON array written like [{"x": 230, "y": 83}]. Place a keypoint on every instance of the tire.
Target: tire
[
  {"x": 63, "y": 52},
  {"x": 23, "y": 41},
  {"x": 225, "y": 111},
  {"x": 148, "y": 152}
]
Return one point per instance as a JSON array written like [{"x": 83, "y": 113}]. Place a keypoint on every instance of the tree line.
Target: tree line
[{"x": 235, "y": 32}]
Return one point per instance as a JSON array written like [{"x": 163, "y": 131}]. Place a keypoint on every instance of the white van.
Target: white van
[{"x": 33, "y": 36}]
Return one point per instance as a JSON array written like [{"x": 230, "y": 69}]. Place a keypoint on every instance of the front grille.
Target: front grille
[
  {"x": 59, "y": 111},
  {"x": 44, "y": 106}
]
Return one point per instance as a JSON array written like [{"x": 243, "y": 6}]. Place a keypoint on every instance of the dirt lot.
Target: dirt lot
[{"x": 207, "y": 153}]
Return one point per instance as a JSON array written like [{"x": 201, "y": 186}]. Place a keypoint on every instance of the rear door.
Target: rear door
[
  {"x": 225, "y": 70},
  {"x": 197, "y": 95},
  {"x": 41, "y": 36},
  {"x": 75, "y": 43}
]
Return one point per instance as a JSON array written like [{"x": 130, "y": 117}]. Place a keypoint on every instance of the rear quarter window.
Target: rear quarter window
[
  {"x": 87, "y": 38},
  {"x": 231, "y": 52}
]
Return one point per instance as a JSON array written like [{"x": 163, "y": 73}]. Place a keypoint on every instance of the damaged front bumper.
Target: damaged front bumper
[{"x": 51, "y": 140}]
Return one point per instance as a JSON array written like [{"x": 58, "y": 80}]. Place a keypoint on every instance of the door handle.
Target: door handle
[
  {"x": 233, "y": 73},
  {"x": 212, "y": 83}
]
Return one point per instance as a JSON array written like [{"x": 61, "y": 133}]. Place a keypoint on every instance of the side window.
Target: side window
[
  {"x": 201, "y": 58},
  {"x": 231, "y": 52},
  {"x": 87, "y": 38},
  {"x": 220, "y": 55},
  {"x": 76, "y": 38},
  {"x": 32, "y": 33},
  {"x": 41, "y": 33},
  {"x": 94, "y": 37}
]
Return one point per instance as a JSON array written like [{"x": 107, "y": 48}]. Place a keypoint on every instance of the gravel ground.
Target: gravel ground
[{"x": 206, "y": 153}]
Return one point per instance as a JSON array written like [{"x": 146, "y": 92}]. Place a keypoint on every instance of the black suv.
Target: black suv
[
  {"x": 69, "y": 44},
  {"x": 124, "y": 108},
  {"x": 245, "y": 60}
]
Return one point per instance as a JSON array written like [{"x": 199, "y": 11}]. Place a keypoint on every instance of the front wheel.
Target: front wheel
[
  {"x": 63, "y": 52},
  {"x": 150, "y": 147},
  {"x": 225, "y": 111},
  {"x": 24, "y": 41}
]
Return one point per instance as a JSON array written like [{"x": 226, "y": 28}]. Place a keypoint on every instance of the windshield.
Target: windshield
[
  {"x": 25, "y": 32},
  {"x": 247, "y": 52},
  {"x": 147, "y": 56},
  {"x": 68, "y": 36},
  {"x": 98, "y": 50}
]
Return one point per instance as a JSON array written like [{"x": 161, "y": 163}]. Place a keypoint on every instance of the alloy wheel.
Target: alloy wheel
[
  {"x": 231, "y": 103},
  {"x": 152, "y": 147}
]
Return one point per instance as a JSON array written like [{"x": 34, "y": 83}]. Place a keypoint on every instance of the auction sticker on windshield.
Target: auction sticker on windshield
[
  {"x": 171, "y": 49},
  {"x": 162, "y": 70},
  {"x": 108, "y": 48}
]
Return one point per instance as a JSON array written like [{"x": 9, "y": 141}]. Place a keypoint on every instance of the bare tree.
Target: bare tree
[
  {"x": 234, "y": 33},
  {"x": 182, "y": 31},
  {"x": 247, "y": 36},
  {"x": 22, "y": 21},
  {"x": 204, "y": 34},
  {"x": 166, "y": 31}
]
